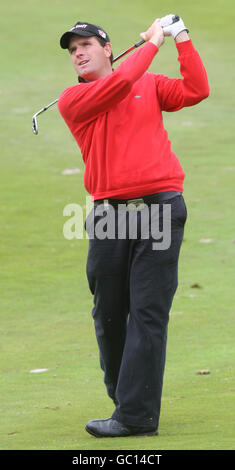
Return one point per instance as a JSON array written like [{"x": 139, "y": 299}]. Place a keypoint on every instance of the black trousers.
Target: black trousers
[{"x": 133, "y": 287}]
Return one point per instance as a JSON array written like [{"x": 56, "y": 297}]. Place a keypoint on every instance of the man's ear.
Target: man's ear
[{"x": 108, "y": 49}]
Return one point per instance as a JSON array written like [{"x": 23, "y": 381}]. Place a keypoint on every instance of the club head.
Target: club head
[{"x": 35, "y": 124}]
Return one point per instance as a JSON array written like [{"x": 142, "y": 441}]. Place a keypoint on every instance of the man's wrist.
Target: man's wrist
[
  {"x": 156, "y": 42},
  {"x": 182, "y": 36}
]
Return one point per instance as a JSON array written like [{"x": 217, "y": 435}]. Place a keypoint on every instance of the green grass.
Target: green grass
[{"x": 45, "y": 317}]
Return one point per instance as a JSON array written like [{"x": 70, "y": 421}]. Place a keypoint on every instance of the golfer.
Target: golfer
[{"x": 116, "y": 118}]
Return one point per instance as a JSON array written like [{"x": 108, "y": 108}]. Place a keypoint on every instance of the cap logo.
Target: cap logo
[
  {"x": 102, "y": 33},
  {"x": 78, "y": 26},
  {"x": 81, "y": 26}
]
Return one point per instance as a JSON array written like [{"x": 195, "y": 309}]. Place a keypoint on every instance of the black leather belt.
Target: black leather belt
[{"x": 148, "y": 200}]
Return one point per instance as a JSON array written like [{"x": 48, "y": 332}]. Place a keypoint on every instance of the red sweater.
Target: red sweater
[{"x": 117, "y": 123}]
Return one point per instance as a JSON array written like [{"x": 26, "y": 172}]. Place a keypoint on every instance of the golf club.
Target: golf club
[{"x": 164, "y": 22}]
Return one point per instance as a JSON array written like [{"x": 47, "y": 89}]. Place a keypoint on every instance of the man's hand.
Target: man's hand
[
  {"x": 154, "y": 34},
  {"x": 174, "y": 28}
]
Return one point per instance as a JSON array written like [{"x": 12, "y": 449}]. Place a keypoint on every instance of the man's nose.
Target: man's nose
[{"x": 79, "y": 51}]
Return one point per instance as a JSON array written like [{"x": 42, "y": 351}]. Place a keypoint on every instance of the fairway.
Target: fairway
[{"x": 51, "y": 384}]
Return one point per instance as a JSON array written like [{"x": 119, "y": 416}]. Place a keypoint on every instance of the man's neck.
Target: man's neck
[{"x": 100, "y": 74}]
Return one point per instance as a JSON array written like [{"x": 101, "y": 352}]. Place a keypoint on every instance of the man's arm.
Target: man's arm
[
  {"x": 87, "y": 101},
  {"x": 174, "y": 94},
  {"x": 177, "y": 93}
]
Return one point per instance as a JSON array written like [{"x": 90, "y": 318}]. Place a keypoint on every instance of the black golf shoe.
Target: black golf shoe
[{"x": 112, "y": 428}]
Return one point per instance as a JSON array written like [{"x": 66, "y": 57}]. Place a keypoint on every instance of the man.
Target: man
[{"x": 116, "y": 118}]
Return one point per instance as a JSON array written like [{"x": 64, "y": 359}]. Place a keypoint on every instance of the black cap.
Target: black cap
[{"x": 83, "y": 29}]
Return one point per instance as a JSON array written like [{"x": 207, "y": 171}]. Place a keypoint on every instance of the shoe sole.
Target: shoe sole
[{"x": 151, "y": 433}]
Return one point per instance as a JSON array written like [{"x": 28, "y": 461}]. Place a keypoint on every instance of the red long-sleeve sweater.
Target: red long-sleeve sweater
[{"x": 117, "y": 123}]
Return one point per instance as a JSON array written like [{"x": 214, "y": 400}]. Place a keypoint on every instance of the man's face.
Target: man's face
[{"x": 90, "y": 59}]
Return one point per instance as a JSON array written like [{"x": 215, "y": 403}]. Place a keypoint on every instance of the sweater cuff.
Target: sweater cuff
[
  {"x": 185, "y": 47},
  {"x": 151, "y": 46}
]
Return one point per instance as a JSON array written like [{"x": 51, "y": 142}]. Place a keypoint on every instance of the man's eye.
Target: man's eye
[{"x": 73, "y": 50}]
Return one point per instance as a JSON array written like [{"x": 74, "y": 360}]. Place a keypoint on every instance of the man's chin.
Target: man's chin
[
  {"x": 82, "y": 73},
  {"x": 85, "y": 71}
]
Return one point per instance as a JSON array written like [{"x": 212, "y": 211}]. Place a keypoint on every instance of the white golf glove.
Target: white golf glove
[{"x": 172, "y": 25}]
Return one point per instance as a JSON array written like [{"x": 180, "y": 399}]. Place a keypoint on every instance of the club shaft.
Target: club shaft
[
  {"x": 129, "y": 50},
  {"x": 46, "y": 107}
]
